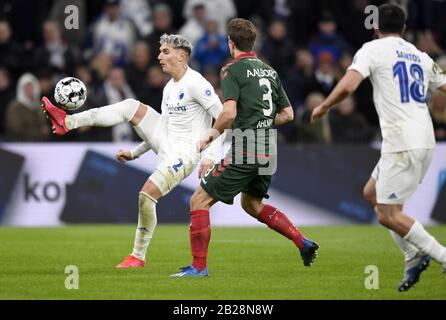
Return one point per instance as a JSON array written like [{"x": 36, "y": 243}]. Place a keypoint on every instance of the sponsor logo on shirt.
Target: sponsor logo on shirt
[{"x": 176, "y": 108}]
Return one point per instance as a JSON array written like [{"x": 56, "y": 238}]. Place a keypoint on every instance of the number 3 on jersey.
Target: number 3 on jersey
[
  {"x": 416, "y": 89},
  {"x": 267, "y": 96}
]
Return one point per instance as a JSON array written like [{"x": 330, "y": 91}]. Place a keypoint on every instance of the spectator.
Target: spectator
[
  {"x": 11, "y": 54},
  {"x": 277, "y": 47},
  {"x": 136, "y": 71},
  {"x": 328, "y": 40},
  {"x": 211, "y": 50},
  {"x": 325, "y": 72},
  {"x": 101, "y": 67},
  {"x": 194, "y": 28},
  {"x": 162, "y": 22},
  {"x": 152, "y": 93},
  {"x": 345, "y": 61},
  {"x": 312, "y": 133},
  {"x": 6, "y": 96},
  {"x": 54, "y": 54},
  {"x": 45, "y": 78},
  {"x": 347, "y": 125},
  {"x": 113, "y": 34},
  {"x": 116, "y": 89},
  {"x": 438, "y": 113},
  {"x": 299, "y": 79},
  {"x": 24, "y": 120},
  {"x": 225, "y": 10},
  {"x": 140, "y": 14},
  {"x": 350, "y": 18}
]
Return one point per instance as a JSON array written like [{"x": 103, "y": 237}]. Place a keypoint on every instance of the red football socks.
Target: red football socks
[
  {"x": 279, "y": 222},
  {"x": 200, "y": 235}
]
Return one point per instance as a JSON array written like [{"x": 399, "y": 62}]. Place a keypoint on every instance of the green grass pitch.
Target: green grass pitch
[{"x": 244, "y": 263}]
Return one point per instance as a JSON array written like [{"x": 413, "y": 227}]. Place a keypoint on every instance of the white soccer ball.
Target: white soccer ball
[{"x": 70, "y": 93}]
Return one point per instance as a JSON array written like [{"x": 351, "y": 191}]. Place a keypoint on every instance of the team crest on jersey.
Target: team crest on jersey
[{"x": 181, "y": 94}]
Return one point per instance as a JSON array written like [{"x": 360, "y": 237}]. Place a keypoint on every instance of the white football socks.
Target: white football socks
[
  {"x": 426, "y": 243},
  {"x": 106, "y": 116},
  {"x": 409, "y": 251},
  {"x": 146, "y": 225}
]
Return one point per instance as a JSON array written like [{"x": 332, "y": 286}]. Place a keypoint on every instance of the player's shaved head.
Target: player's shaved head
[
  {"x": 392, "y": 18},
  {"x": 242, "y": 33}
]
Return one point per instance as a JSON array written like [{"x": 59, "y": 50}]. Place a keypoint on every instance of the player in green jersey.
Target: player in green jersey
[{"x": 254, "y": 102}]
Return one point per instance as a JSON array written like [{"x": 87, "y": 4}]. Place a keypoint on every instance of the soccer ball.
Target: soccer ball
[{"x": 70, "y": 93}]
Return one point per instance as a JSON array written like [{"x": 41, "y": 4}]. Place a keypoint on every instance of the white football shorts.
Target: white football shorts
[
  {"x": 398, "y": 174},
  {"x": 173, "y": 164}
]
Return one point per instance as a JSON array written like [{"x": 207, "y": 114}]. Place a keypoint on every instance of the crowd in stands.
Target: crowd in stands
[{"x": 114, "y": 52}]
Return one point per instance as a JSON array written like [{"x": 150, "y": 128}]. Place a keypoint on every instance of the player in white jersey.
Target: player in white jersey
[
  {"x": 401, "y": 76},
  {"x": 189, "y": 103}
]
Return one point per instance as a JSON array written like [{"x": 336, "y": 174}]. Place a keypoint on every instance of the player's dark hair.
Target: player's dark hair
[
  {"x": 392, "y": 18},
  {"x": 243, "y": 33}
]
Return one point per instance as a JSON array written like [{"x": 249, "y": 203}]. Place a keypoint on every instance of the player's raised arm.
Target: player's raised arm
[{"x": 346, "y": 86}]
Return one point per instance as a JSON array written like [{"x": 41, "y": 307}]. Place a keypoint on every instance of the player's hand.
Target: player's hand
[
  {"x": 318, "y": 113},
  {"x": 124, "y": 156},
  {"x": 205, "y": 165},
  {"x": 202, "y": 145}
]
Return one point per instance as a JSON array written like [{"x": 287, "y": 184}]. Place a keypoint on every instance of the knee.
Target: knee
[{"x": 151, "y": 190}]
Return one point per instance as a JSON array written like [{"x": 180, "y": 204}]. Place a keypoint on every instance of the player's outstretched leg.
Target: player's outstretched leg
[
  {"x": 106, "y": 116},
  {"x": 56, "y": 115},
  {"x": 279, "y": 222}
]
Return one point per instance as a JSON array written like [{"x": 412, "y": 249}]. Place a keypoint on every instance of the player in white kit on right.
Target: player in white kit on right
[
  {"x": 189, "y": 103},
  {"x": 400, "y": 75}
]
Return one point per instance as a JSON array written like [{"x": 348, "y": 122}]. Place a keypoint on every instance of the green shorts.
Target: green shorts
[{"x": 224, "y": 181}]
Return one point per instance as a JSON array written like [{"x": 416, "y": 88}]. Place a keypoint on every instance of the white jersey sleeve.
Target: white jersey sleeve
[
  {"x": 363, "y": 62},
  {"x": 437, "y": 76},
  {"x": 203, "y": 93}
]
